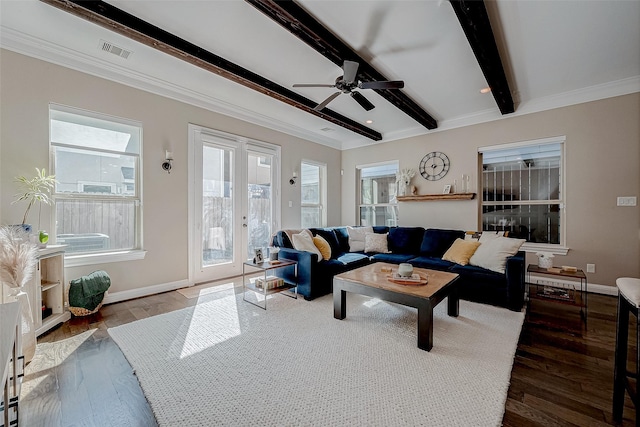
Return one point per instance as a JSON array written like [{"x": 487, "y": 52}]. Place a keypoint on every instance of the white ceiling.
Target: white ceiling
[{"x": 555, "y": 53}]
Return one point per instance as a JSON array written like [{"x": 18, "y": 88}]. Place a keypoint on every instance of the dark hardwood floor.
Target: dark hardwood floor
[
  {"x": 563, "y": 370},
  {"x": 562, "y": 374}
]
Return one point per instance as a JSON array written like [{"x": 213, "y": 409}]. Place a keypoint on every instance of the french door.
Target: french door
[{"x": 234, "y": 201}]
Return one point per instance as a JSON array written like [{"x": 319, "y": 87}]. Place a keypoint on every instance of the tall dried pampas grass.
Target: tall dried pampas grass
[{"x": 18, "y": 256}]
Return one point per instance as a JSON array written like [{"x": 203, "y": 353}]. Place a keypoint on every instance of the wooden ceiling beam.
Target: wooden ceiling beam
[
  {"x": 304, "y": 26},
  {"x": 123, "y": 23},
  {"x": 475, "y": 23}
]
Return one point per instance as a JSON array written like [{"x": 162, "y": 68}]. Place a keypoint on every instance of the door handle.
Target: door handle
[{"x": 244, "y": 225}]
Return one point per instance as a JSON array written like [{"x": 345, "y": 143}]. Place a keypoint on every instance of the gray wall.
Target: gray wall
[
  {"x": 28, "y": 85},
  {"x": 602, "y": 162}
]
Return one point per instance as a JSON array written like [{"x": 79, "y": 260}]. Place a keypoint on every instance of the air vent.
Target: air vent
[
  {"x": 327, "y": 130},
  {"x": 116, "y": 50}
]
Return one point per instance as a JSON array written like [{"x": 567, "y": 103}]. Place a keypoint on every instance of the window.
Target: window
[
  {"x": 377, "y": 188},
  {"x": 313, "y": 194},
  {"x": 96, "y": 160},
  {"x": 522, "y": 190}
]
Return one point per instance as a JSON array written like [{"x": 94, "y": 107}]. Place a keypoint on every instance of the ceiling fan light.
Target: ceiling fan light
[
  {"x": 485, "y": 90},
  {"x": 368, "y": 121}
]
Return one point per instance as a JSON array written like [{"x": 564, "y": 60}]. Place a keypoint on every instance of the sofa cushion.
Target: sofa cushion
[
  {"x": 281, "y": 240},
  {"x": 434, "y": 263},
  {"x": 356, "y": 237},
  {"x": 392, "y": 258},
  {"x": 343, "y": 239},
  {"x": 287, "y": 236},
  {"x": 436, "y": 241},
  {"x": 330, "y": 236},
  {"x": 323, "y": 246},
  {"x": 304, "y": 242},
  {"x": 460, "y": 251},
  {"x": 482, "y": 285},
  {"x": 493, "y": 254},
  {"x": 380, "y": 229},
  {"x": 352, "y": 259},
  {"x": 405, "y": 240},
  {"x": 376, "y": 243}
]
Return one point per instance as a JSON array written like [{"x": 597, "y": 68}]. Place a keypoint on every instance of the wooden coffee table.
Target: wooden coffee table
[{"x": 371, "y": 281}]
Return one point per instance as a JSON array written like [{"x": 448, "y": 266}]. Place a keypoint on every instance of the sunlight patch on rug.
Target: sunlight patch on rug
[{"x": 202, "y": 334}]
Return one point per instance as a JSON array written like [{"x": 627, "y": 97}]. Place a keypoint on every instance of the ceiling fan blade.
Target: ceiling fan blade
[
  {"x": 324, "y": 103},
  {"x": 350, "y": 71},
  {"x": 364, "y": 102},
  {"x": 396, "y": 84},
  {"x": 311, "y": 85}
]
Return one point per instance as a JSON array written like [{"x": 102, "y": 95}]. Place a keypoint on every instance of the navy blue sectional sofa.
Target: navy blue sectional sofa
[{"x": 420, "y": 247}]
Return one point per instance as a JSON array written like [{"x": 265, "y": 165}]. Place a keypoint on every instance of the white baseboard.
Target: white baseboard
[
  {"x": 594, "y": 288},
  {"x": 603, "y": 289},
  {"x": 112, "y": 297}
]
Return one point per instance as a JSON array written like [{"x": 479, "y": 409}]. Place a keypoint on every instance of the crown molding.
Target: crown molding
[
  {"x": 44, "y": 50},
  {"x": 579, "y": 96},
  {"x": 28, "y": 45}
]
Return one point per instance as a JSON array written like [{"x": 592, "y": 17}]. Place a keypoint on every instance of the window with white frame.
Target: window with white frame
[
  {"x": 313, "y": 194},
  {"x": 377, "y": 194},
  {"x": 522, "y": 190},
  {"x": 96, "y": 160}
]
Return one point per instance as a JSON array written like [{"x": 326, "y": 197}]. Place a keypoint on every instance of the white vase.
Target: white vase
[
  {"x": 546, "y": 261},
  {"x": 402, "y": 189},
  {"x": 405, "y": 269}
]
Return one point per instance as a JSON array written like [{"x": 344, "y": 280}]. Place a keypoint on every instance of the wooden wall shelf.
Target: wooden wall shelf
[{"x": 431, "y": 197}]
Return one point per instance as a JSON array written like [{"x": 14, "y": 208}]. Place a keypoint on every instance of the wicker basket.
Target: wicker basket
[{"x": 81, "y": 311}]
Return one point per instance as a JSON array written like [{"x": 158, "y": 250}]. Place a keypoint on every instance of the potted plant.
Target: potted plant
[{"x": 36, "y": 190}]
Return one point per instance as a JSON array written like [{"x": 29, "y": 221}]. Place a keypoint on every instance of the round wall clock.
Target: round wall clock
[{"x": 434, "y": 166}]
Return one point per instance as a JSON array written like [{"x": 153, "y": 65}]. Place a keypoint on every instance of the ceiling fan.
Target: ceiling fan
[{"x": 348, "y": 82}]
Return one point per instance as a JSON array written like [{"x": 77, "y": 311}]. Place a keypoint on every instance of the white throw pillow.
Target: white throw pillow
[
  {"x": 492, "y": 253},
  {"x": 376, "y": 243},
  {"x": 356, "y": 237},
  {"x": 304, "y": 242},
  {"x": 490, "y": 235}
]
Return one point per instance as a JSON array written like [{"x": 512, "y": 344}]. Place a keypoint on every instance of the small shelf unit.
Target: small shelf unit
[
  {"x": 573, "y": 294},
  {"x": 266, "y": 267},
  {"x": 46, "y": 290},
  {"x": 252, "y": 286}
]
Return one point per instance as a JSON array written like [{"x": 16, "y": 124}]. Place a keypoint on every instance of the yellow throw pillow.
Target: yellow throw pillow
[
  {"x": 461, "y": 251},
  {"x": 323, "y": 246}
]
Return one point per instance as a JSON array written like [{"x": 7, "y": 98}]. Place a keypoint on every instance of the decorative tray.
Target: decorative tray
[{"x": 415, "y": 280}]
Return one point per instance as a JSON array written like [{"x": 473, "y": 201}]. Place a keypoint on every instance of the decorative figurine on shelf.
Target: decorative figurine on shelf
[
  {"x": 414, "y": 190},
  {"x": 403, "y": 179}
]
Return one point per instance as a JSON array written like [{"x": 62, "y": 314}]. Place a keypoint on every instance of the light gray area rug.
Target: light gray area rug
[{"x": 227, "y": 362}]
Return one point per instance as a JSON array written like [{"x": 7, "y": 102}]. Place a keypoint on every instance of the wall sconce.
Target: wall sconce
[
  {"x": 292, "y": 181},
  {"x": 168, "y": 158}
]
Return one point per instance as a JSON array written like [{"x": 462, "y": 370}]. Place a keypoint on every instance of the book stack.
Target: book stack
[{"x": 271, "y": 282}]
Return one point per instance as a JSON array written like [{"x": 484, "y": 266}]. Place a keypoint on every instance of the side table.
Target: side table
[
  {"x": 267, "y": 266},
  {"x": 575, "y": 297}
]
